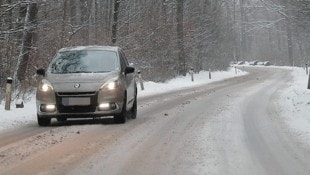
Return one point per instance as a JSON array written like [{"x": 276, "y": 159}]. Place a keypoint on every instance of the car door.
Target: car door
[{"x": 129, "y": 79}]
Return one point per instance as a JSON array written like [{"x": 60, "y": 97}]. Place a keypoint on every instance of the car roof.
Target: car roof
[{"x": 77, "y": 48}]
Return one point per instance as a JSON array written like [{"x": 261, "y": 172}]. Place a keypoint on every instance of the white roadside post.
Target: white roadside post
[
  {"x": 8, "y": 93},
  {"x": 191, "y": 72},
  {"x": 140, "y": 80},
  {"x": 236, "y": 72},
  {"x": 307, "y": 69},
  {"x": 309, "y": 82},
  {"x": 210, "y": 74}
]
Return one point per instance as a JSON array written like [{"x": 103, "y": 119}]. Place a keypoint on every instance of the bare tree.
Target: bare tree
[
  {"x": 115, "y": 20},
  {"x": 163, "y": 38},
  {"x": 180, "y": 40},
  {"x": 64, "y": 23},
  {"x": 26, "y": 45}
]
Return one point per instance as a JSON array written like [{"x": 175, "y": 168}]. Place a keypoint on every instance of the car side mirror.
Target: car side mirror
[
  {"x": 129, "y": 70},
  {"x": 41, "y": 72}
]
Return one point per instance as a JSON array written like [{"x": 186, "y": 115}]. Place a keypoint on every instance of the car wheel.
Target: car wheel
[
  {"x": 43, "y": 121},
  {"x": 61, "y": 119},
  {"x": 122, "y": 117},
  {"x": 133, "y": 111}
]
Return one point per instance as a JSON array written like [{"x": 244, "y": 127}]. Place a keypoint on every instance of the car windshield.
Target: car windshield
[{"x": 84, "y": 61}]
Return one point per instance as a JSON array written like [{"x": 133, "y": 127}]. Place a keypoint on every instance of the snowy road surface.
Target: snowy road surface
[{"x": 228, "y": 127}]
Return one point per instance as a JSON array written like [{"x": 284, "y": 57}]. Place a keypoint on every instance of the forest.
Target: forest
[{"x": 163, "y": 38}]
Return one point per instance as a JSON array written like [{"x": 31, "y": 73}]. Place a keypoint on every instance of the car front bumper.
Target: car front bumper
[{"x": 98, "y": 104}]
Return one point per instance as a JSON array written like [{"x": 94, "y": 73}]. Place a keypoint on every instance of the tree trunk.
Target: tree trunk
[
  {"x": 289, "y": 43},
  {"x": 63, "y": 25},
  {"x": 85, "y": 14},
  {"x": 235, "y": 52},
  {"x": 243, "y": 43},
  {"x": 72, "y": 4},
  {"x": 180, "y": 39},
  {"x": 279, "y": 43},
  {"x": 26, "y": 41},
  {"x": 109, "y": 20},
  {"x": 115, "y": 20},
  {"x": 21, "y": 20},
  {"x": 97, "y": 26}
]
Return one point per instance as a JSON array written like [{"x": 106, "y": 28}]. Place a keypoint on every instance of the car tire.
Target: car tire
[
  {"x": 122, "y": 117},
  {"x": 133, "y": 111},
  {"x": 61, "y": 119},
  {"x": 43, "y": 121}
]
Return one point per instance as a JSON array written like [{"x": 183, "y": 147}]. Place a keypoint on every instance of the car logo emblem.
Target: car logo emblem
[{"x": 77, "y": 85}]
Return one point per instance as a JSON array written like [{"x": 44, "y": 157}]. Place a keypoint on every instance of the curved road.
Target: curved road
[{"x": 228, "y": 127}]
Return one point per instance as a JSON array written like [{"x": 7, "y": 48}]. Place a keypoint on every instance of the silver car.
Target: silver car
[{"x": 87, "y": 82}]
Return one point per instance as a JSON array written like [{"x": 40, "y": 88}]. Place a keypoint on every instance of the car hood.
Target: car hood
[{"x": 80, "y": 82}]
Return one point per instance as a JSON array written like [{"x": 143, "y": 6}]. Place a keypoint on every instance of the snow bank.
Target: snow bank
[
  {"x": 17, "y": 116},
  {"x": 182, "y": 82},
  {"x": 295, "y": 104},
  {"x": 22, "y": 116}
]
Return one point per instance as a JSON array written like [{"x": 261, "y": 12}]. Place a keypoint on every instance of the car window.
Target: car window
[
  {"x": 124, "y": 58},
  {"x": 84, "y": 61},
  {"x": 122, "y": 61}
]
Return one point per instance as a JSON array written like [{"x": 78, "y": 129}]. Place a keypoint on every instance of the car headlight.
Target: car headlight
[
  {"x": 45, "y": 86},
  {"x": 111, "y": 84}
]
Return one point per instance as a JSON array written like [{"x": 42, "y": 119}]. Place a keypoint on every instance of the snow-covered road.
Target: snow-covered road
[{"x": 234, "y": 126}]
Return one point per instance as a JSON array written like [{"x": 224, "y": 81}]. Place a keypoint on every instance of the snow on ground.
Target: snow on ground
[
  {"x": 295, "y": 104},
  {"x": 18, "y": 117},
  {"x": 294, "y": 100},
  {"x": 185, "y": 82}
]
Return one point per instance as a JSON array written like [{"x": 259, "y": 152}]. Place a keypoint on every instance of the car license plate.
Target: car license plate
[{"x": 76, "y": 101}]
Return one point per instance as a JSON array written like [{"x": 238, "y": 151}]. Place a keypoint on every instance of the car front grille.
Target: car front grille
[{"x": 77, "y": 109}]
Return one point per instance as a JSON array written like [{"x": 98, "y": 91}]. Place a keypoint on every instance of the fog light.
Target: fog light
[
  {"x": 104, "y": 106},
  {"x": 48, "y": 108},
  {"x": 107, "y": 106}
]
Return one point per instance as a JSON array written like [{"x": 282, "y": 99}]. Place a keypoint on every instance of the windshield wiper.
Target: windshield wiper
[
  {"x": 103, "y": 71},
  {"x": 81, "y": 71}
]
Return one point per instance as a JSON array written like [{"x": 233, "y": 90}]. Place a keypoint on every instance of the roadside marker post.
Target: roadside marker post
[
  {"x": 307, "y": 69},
  {"x": 140, "y": 80},
  {"x": 8, "y": 93},
  {"x": 191, "y": 72},
  {"x": 309, "y": 82},
  {"x": 210, "y": 74}
]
